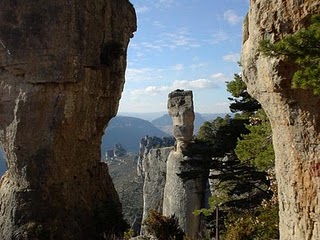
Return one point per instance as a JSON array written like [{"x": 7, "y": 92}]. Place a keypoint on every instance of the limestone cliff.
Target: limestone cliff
[
  {"x": 62, "y": 67},
  {"x": 294, "y": 113}
]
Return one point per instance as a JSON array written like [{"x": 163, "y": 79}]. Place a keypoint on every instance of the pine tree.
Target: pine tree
[
  {"x": 241, "y": 149},
  {"x": 303, "y": 49},
  {"x": 241, "y": 99},
  {"x": 256, "y": 147}
]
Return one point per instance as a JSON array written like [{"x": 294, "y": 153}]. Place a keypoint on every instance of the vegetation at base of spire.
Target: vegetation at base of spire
[
  {"x": 163, "y": 227},
  {"x": 303, "y": 49}
]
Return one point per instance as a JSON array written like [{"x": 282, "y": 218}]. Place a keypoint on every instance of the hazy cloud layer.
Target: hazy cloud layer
[
  {"x": 231, "y": 17},
  {"x": 232, "y": 57}
]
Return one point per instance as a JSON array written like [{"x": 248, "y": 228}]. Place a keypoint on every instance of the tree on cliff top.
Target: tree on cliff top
[{"x": 303, "y": 48}]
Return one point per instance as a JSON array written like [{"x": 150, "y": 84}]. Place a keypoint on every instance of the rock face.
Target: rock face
[
  {"x": 180, "y": 108},
  {"x": 154, "y": 180},
  {"x": 294, "y": 114},
  {"x": 185, "y": 181},
  {"x": 152, "y": 165},
  {"x": 61, "y": 78}
]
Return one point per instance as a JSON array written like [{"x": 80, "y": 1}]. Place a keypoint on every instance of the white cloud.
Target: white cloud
[
  {"x": 232, "y": 17},
  {"x": 158, "y": 24},
  {"x": 164, "y": 3},
  {"x": 179, "y": 38},
  {"x": 194, "y": 84},
  {"x": 218, "y": 76},
  {"x": 198, "y": 84},
  {"x": 218, "y": 37},
  {"x": 232, "y": 57},
  {"x": 178, "y": 67},
  {"x": 143, "y": 74},
  {"x": 151, "y": 90},
  {"x": 141, "y": 9},
  {"x": 196, "y": 66}
]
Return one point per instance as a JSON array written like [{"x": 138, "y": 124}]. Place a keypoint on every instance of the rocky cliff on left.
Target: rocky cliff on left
[{"x": 62, "y": 66}]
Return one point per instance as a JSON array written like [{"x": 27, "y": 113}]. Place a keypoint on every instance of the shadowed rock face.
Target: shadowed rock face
[
  {"x": 294, "y": 114},
  {"x": 62, "y": 67}
]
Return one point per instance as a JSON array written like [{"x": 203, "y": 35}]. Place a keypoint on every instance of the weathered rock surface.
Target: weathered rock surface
[
  {"x": 180, "y": 108},
  {"x": 62, "y": 67},
  {"x": 154, "y": 180},
  {"x": 152, "y": 167},
  {"x": 185, "y": 178},
  {"x": 294, "y": 114}
]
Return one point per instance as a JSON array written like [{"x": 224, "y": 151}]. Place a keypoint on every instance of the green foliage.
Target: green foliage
[
  {"x": 128, "y": 234},
  {"x": 241, "y": 184},
  {"x": 257, "y": 224},
  {"x": 162, "y": 227},
  {"x": 222, "y": 134},
  {"x": 256, "y": 147},
  {"x": 302, "y": 48},
  {"x": 241, "y": 100}
]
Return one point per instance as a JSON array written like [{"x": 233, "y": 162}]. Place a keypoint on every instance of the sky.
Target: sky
[{"x": 183, "y": 44}]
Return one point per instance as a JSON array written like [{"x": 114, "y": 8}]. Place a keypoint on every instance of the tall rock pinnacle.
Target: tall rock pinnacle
[
  {"x": 184, "y": 190},
  {"x": 62, "y": 66}
]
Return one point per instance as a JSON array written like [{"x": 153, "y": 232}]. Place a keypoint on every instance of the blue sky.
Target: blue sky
[{"x": 185, "y": 44}]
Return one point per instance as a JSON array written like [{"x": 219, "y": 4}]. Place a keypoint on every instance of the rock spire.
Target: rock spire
[{"x": 184, "y": 190}]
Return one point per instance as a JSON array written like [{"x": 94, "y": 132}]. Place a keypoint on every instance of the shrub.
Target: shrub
[{"x": 162, "y": 227}]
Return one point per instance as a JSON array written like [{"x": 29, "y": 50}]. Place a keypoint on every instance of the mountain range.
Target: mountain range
[
  {"x": 128, "y": 131},
  {"x": 165, "y": 123}
]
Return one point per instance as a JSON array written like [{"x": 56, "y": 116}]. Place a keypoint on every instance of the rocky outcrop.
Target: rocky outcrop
[
  {"x": 146, "y": 145},
  {"x": 294, "y": 114},
  {"x": 185, "y": 175},
  {"x": 154, "y": 180},
  {"x": 152, "y": 162},
  {"x": 61, "y": 78}
]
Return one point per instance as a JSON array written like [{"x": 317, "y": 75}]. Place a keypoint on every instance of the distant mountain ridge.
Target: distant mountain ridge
[
  {"x": 165, "y": 122},
  {"x": 128, "y": 131},
  {"x": 150, "y": 116}
]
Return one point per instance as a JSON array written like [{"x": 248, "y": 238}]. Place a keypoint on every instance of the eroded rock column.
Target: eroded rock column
[
  {"x": 184, "y": 188},
  {"x": 294, "y": 114},
  {"x": 62, "y": 67}
]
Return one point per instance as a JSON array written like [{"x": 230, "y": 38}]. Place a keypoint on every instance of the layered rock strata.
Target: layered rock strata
[
  {"x": 62, "y": 66},
  {"x": 294, "y": 114},
  {"x": 185, "y": 178}
]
